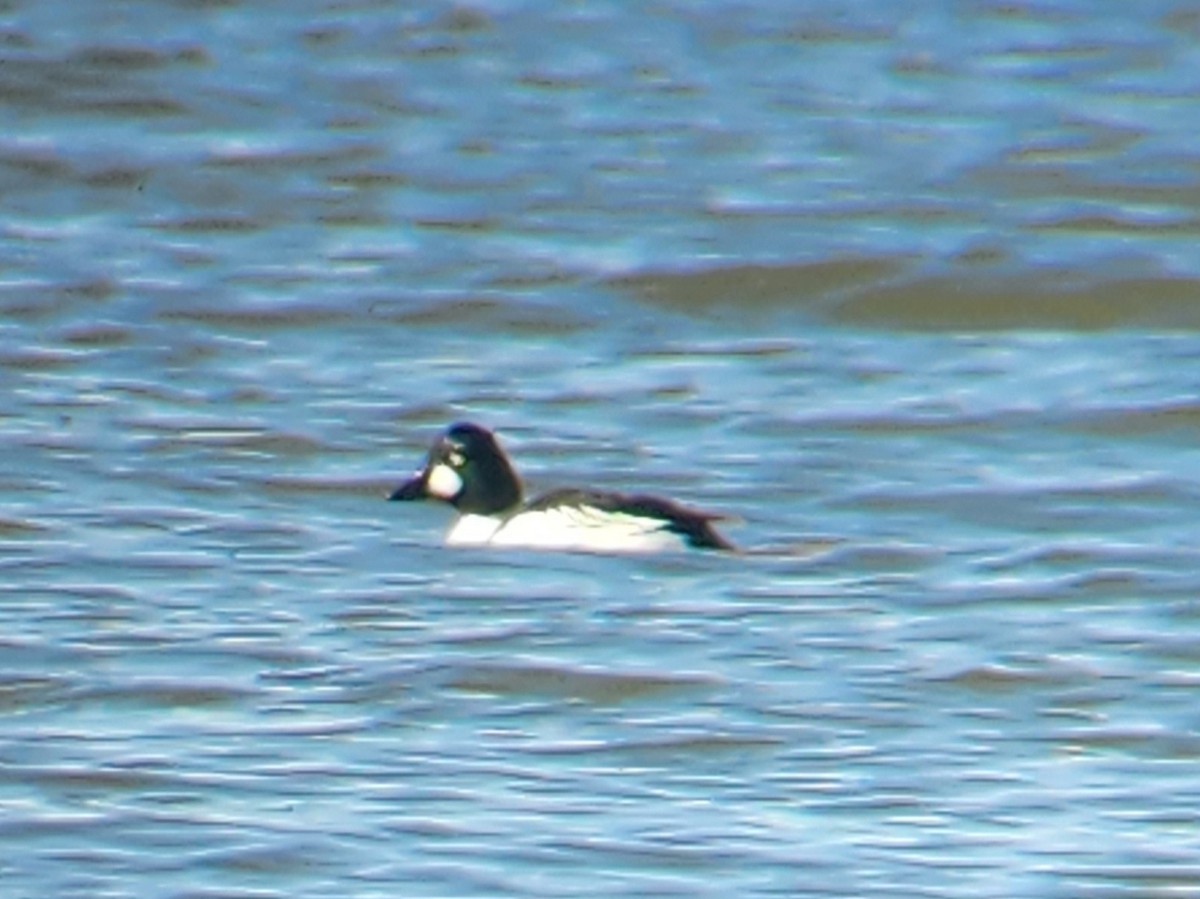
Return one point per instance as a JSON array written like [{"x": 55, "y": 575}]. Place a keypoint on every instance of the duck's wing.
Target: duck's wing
[{"x": 653, "y": 513}]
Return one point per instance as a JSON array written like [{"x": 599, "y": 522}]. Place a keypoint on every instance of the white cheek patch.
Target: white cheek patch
[{"x": 443, "y": 482}]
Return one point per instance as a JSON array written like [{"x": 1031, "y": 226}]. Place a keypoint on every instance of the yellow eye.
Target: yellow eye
[{"x": 456, "y": 459}]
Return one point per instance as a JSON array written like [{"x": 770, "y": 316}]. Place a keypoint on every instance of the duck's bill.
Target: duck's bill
[{"x": 410, "y": 489}]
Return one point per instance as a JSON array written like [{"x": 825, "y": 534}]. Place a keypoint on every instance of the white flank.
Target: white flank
[
  {"x": 586, "y": 529},
  {"x": 472, "y": 530},
  {"x": 443, "y": 482}
]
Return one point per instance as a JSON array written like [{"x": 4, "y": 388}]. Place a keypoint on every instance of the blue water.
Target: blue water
[{"x": 907, "y": 290}]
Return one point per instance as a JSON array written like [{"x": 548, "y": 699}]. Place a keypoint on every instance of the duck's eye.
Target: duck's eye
[{"x": 456, "y": 459}]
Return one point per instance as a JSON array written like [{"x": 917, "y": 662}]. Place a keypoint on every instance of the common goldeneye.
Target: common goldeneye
[{"x": 467, "y": 469}]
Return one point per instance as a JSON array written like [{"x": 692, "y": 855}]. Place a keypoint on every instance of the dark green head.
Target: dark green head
[{"x": 467, "y": 469}]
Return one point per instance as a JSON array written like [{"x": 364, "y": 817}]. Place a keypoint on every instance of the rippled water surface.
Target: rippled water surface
[{"x": 910, "y": 291}]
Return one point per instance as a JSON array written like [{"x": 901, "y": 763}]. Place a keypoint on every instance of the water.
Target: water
[{"x": 908, "y": 289}]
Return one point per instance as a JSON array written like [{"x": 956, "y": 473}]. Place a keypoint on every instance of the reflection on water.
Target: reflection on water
[{"x": 908, "y": 292}]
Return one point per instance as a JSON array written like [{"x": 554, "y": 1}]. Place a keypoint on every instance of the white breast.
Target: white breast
[
  {"x": 587, "y": 529},
  {"x": 472, "y": 530}
]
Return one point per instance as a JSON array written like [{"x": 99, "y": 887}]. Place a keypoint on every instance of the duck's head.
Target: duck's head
[{"x": 467, "y": 469}]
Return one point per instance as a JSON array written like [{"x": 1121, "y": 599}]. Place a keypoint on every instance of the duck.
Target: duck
[{"x": 467, "y": 468}]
